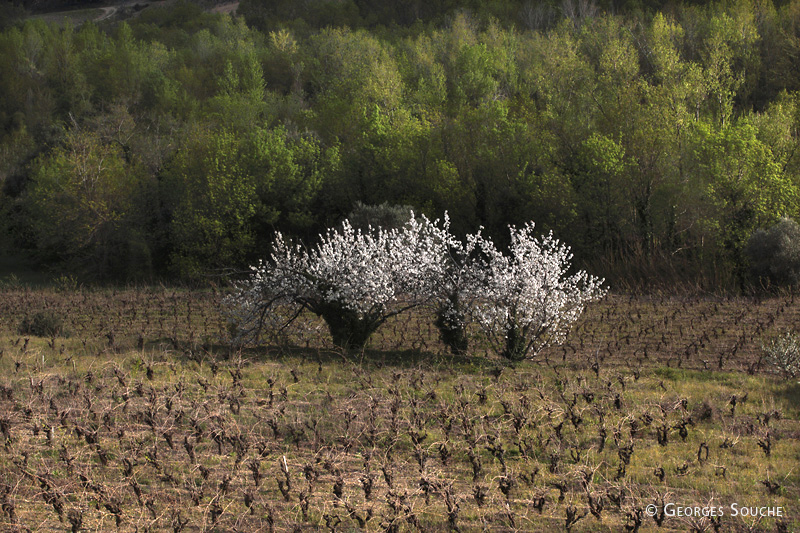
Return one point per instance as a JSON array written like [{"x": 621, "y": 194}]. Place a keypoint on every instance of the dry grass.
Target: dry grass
[{"x": 145, "y": 419}]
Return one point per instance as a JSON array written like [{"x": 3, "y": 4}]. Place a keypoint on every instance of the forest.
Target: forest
[{"x": 655, "y": 138}]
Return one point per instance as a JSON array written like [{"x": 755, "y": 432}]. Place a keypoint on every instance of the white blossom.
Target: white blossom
[
  {"x": 784, "y": 354},
  {"x": 527, "y": 300},
  {"x": 356, "y": 280}
]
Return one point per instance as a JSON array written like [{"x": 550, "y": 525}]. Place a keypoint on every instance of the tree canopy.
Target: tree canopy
[{"x": 653, "y": 137}]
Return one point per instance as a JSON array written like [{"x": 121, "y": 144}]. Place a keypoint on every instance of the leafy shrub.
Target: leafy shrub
[
  {"x": 10, "y": 282},
  {"x": 66, "y": 283},
  {"x": 43, "y": 324},
  {"x": 774, "y": 254},
  {"x": 784, "y": 354}
]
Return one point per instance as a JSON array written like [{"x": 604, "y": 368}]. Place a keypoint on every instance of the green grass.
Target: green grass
[{"x": 699, "y": 376}]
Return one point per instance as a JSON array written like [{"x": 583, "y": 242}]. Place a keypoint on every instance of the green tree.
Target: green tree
[
  {"x": 505, "y": 172},
  {"x": 80, "y": 207},
  {"x": 603, "y": 196},
  {"x": 228, "y": 192},
  {"x": 212, "y": 199},
  {"x": 730, "y": 59},
  {"x": 744, "y": 187},
  {"x": 289, "y": 171},
  {"x": 424, "y": 76},
  {"x": 348, "y": 73},
  {"x": 781, "y": 52}
]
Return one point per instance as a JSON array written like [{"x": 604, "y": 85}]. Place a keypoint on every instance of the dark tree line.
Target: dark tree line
[{"x": 653, "y": 137}]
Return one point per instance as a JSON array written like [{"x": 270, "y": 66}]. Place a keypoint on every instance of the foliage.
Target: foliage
[
  {"x": 745, "y": 185},
  {"x": 214, "y": 199},
  {"x": 227, "y": 191},
  {"x": 649, "y": 132},
  {"x": 289, "y": 171},
  {"x": 774, "y": 253},
  {"x": 80, "y": 207},
  {"x": 43, "y": 324}
]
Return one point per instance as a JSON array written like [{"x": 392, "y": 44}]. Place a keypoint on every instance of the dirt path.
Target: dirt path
[
  {"x": 226, "y": 8},
  {"x": 108, "y": 12}
]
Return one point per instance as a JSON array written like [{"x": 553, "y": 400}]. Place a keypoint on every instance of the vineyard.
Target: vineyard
[{"x": 137, "y": 413}]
